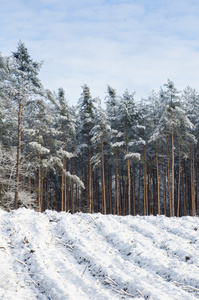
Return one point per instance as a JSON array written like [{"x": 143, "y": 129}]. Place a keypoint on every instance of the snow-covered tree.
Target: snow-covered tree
[
  {"x": 116, "y": 139},
  {"x": 86, "y": 113},
  {"x": 21, "y": 86},
  {"x": 100, "y": 138}
]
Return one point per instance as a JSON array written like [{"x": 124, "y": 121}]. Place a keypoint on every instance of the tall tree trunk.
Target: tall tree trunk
[
  {"x": 183, "y": 188},
  {"x": 150, "y": 191},
  {"x": 172, "y": 166},
  {"x": 66, "y": 189},
  {"x": 129, "y": 184},
  {"x": 47, "y": 190},
  {"x": 179, "y": 173},
  {"x": 192, "y": 180},
  {"x": 145, "y": 184},
  {"x": 196, "y": 168},
  {"x": 117, "y": 190},
  {"x": 18, "y": 157},
  {"x": 139, "y": 189},
  {"x": 158, "y": 181},
  {"x": 72, "y": 187},
  {"x": 169, "y": 183},
  {"x": 110, "y": 189},
  {"x": 39, "y": 184},
  {"x": 186, "y": 190},
  {"x": 56, "y": 198},
  {"x": 164, "y": 189},
  {"x": 62, "y": 189},
  {"x": 90, "y": 181},
  {"x": 133, "y": 205},
  {"x": 128, "y": 174},
  {"x": 103, "y": 179}
]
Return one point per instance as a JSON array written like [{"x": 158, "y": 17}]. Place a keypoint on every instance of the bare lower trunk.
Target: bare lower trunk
[
  {"x": 18, "y": 157},
  {"x": 90, "y": 182},
  {"x": 169, "y": 183},
  {"x": 117, "y": 190},
  {"x": 39, "y": 185},
  {"x": 103, "y": 180},
  {"x": 62, "y": 190},
  {"x": 133, "y": 205},
  {"x": 158, "y": 184},
  {"x": 164, "y": 190},
  {"x": 145, "y": 184},
  {"x": 72, "y": 187},
  {"x": 110, "y": 190},
  {"x": 47, "y": 191},
  {"x": 129, "y": 186},
  {"x": 192, "y": 180},
  {"x": 66, "y": 189},
  {"x": 172, "y": 170},
  {"x": 179, "y": 172},
  {"x": 139, "y": 190},
  {"x": 197, "y": 196}
]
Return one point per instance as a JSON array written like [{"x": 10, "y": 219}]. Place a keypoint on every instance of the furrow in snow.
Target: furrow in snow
[
  {"x": 15, "y": 282},
  {"x": 86, "y": 239},
  {"x": 62, "y": 256},
  {"x": 54, "y": 270}
]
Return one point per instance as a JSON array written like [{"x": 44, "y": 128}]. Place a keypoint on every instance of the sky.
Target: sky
[{"x": 127, "y": 44}]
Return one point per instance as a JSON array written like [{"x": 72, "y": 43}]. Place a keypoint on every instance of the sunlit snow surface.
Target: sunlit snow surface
[{"x": 83, "y": 256}]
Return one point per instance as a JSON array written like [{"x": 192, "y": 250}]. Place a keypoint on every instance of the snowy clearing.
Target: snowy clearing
[{"x": 61, "y": 256}]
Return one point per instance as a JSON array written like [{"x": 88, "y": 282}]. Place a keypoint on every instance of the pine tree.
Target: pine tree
[
  {"x": 100, "y": 139},
  {"x": 128, "y": 119},
  {"x": 22, "y": 86},
  {"x": 116, "y": 141},
  {"x": 86, "y": 121}
]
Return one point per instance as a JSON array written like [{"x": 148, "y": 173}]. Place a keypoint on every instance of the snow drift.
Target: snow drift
[{"x": 61, "y": 256}]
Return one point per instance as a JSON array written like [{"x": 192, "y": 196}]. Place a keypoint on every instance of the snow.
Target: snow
[
  {"x": 133, "y": 155},
  {"x": 62, "y": 256}
]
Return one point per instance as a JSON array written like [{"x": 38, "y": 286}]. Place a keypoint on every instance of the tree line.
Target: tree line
[{"x": 128, "y": 157}]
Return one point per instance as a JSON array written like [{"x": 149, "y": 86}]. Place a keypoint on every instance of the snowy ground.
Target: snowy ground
[{"x": 83, "y": 256}]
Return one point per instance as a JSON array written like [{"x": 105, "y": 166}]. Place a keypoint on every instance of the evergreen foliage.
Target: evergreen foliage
[{"x": 125, "y": 158}]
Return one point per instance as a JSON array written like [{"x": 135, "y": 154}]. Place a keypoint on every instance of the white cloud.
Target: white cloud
[{"x": 127, "y": 44}]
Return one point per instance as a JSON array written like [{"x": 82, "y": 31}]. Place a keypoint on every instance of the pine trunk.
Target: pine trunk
[
  {"x": 66, "y": 189},
  {"x": 47, "y": 191},
  {"x": 186, "y": 190},
  {"x": 169, "y": 183},
  {"x": 110, "y": 190},
  {"x": 164, "y": 190},
  {"x": 139, "y": 184},
  {"x": 192, "y": 180},
  {"x": 196, "y": 168},
  {"x": 72, "y": 187},
  {"x": 90, "y": 181},
  {"x": 183, "y": 190},
  {"x": 133, "y": 205},
  {"x": 39, "y": 184},
  {"x": 62, "y": 189},
  {"x": 18, "y": 157},
  {"x": 172, "y": 167},
  {"x": 116, "y": 190},
  {"x": 158, "y": 182},
  {"x": 129, "y": 185},
  {"x": 179, "y": 173},
  {"x": 103, "y": 179},
  {"x": 145, "y": 184}
]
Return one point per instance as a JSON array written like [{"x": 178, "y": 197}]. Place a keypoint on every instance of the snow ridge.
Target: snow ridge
[{"x": 92, "y": 256}]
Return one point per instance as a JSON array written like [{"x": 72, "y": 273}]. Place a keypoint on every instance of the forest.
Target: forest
[{"x": 120, "y": 157}]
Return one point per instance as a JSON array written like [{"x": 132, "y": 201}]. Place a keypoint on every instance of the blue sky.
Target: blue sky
[{"x": 134, "y": 45}]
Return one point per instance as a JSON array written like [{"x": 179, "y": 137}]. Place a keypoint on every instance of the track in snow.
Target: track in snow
[{"x": 61, "y": 256}]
